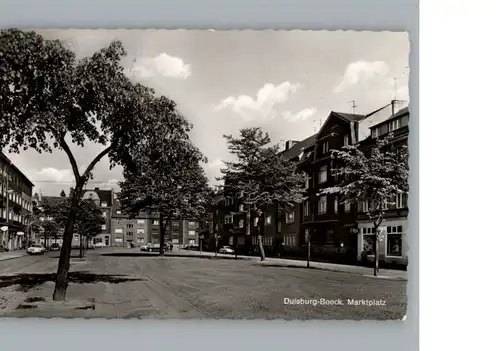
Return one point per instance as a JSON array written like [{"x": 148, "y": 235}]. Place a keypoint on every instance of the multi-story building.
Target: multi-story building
[
  {"x": 394, "y": 230},
  {"x": 181, "y": 233},
  {"x": 104, "y": 200},
  {"x": 127, "y": 232},
  {"x": 16, "y": 192},
  {"x": 41, "y": 237},
  {"x": 145, "y": 228},
  {"x": 330, "y": 225}
]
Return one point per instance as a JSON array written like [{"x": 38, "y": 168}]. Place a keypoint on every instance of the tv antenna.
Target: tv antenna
[{"x": 353, "y": 105}]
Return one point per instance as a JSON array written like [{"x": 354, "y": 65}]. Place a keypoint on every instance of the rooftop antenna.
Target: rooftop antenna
[
  {"x": 353, "y": 105},
  {"x": 314, "y": 125}
]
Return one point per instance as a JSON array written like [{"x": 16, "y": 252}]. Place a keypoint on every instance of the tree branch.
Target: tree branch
[
  {"x": 71, "y": 157},
  {"x": 95, "y": 160}
]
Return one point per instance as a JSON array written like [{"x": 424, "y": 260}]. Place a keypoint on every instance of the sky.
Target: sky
[{"x": 285, "y": 82}]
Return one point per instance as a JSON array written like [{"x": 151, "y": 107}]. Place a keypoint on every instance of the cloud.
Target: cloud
[
  {"x": 163, "y": 65},
  {"x": 216, "y": 164},
  {"x": 361, "y": 71},
  {"x": 53, "y": 174},
  {"x": 299, "y": 116},
  {"x": 262, "y": 106}
]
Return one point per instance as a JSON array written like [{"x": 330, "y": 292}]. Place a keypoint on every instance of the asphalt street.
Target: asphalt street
[{"x": 194, "y": 287}]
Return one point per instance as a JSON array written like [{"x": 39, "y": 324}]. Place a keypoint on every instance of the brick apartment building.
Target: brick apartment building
[
  {"x": 145, "y": 228},
  {"x": 331, "y": 226},
  {"x": 16, "y": 192},
  {"x": 394, "y": 229}
]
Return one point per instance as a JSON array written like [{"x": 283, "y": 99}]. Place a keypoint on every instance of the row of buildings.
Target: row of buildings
[
  {"x": 337, "y": 232},
  {"x": 15, "y": 205},
  {"x": 121, "y": 231}
]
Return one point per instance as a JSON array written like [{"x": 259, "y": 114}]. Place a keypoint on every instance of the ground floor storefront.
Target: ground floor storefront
[
  {"x": 12, "y": 238},
  {"x": 393, "y": 241}
]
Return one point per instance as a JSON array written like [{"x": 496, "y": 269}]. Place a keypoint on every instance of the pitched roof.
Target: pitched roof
[
  {"x": 400, "y": 113},
  {"x": 350, "y": 116},
  {"x": 295, "y": 150}
]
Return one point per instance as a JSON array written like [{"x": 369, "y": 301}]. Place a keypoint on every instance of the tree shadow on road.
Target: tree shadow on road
[{"x": 28, "y": 281}]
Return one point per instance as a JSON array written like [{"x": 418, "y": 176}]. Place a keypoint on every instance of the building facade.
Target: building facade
[
  {"x": 104, "y": 200},
  {"x": 16, "y": 192},
  {"x": 337, "y": 232},
  {"x": 393, "y": 247}
]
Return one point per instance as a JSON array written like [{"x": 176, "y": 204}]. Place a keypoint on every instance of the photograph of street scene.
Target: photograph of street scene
[{"x": 204, "y": 174}]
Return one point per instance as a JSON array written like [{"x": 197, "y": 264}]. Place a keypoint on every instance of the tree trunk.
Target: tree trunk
[
  {"x": 308, "y": 249},
  {"x": 81, "y": 246},
  {"x": 376, "y": 250},
  {"x": 216, "y": 245},
  {"x": 64, "y": 257},
  {"x": 262, "y": 224},
  {"x": 162, "y": 235}
]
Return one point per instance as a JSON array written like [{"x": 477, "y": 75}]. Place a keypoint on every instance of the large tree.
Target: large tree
[
  {"x": 49, "y": 99},
  {"x": 261, "y": 177},
  {"x": 166, "y": 178},
  {"x": 375, "y": 176}
]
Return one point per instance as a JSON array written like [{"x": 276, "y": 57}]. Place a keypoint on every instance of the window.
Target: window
[
  {"x": 255, "y": 221},
  {"x": 241, "y": 208},
  {"x": 140, "y": 231},
  {"x": 175, "y": 241},
  {"x": 322, "y": 205},
  {"x": 255, "y": 240},
  {"x": 130, "y": 233},
  {"x": 290, "y": 217},
  {"x": 192, "y": 224},
  {"x": 335, "y": 205},
  {"x": 175, "y": 224},
  {"x": 290, "y": 240},
  {"x": 118, "y": 212},
  {"x": 103, "y": 227},
  {"x": 118, "y": 230},
  {"x": 306, "y": 208},
  {"x": 268, "y": 241},
  {"x": 279, "y": 225},
  {"x": 191, "y": 242},
  {"x": 347, "y": 206},
  {"x": 228, "y": 201},
  {"x": 374, "y": 132},
  {"x": 307, "y": 180},
  {"x": 368, "y": 240},
  {"x": 192, "y": 232},
  {"x": 130, "y": 226},
  {"x": 140, "y": 240},
  {"x": 104, "y": 214},
  {"x": 156, "y": 222},
  {"x": 365, "y": 207},
  {"x": 228, "y": 219},
  {"x": 324, "y": 148},
  {"x": 346, "y": 139},
  {"x": 402, "y": 200},
  {"x": 241, "y": 240},
  {"x": 104, "y": 204},
  {"x": 269, "y": 219},
  {"x": 118, "y": 240},
  {"x": 322, "y": 175},
  {"x": 140, "y": 221},
  {"x": 242, "y": 223},
  {"x": 393, "y": 125},
  {"x": 395, "y": 241}
]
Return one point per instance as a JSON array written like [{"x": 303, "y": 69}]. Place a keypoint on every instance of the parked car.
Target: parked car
[
  {"x": 146, "y": 247},
  {"x": 55, "y": 247},
  {"x": 98, "y": 245},
  {"x": 36, "y": 249},
  {"x": 226, "y": 250}
]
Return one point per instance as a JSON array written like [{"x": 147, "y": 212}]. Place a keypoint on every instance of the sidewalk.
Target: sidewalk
[
  {"x": 12, "y": 254},
  {"x": 272, "y": 261}
]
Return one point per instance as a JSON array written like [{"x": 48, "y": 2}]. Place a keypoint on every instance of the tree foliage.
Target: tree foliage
[
  {"x": 165, "y": 178},
  {"x": 261, "y": 176},
  {"x": 49, "y": 98},
  {"x": 376, "y": 177}
]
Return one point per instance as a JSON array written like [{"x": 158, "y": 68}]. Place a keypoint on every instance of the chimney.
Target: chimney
[
  {"x": 393, "y": 105},
  {"x": 290, "y": 144}
]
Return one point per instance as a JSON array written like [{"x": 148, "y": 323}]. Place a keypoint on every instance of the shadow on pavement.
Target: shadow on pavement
[
  {"x": 28, "y": 281},
  {"x": 147, "y": 254}
]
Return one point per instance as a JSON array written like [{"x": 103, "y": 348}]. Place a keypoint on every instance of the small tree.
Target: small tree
[
  {"x": 63, "y": 193},
  {"x": 47, "y": 95},
  {"x": 376, "y": 179},
  {"x": 261, "y": 177}
]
